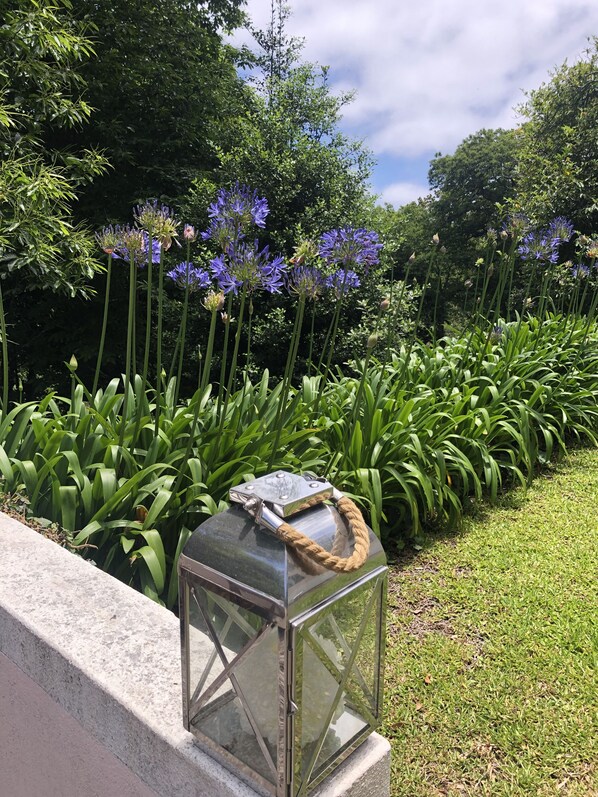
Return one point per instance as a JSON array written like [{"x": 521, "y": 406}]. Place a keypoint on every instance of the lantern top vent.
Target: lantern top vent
[{"x": 285, "y": 493}]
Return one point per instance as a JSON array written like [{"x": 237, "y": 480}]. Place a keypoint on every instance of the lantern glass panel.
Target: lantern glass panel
[
  {"x": 234, "y": 679},
  {"x": 337, "y": 663}
]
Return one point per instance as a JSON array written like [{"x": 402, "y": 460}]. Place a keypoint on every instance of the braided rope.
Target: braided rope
[{"x": 361, "y": 535}]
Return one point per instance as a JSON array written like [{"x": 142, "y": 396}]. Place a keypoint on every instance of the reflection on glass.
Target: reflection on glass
[
  {"x": 337, "y": 654},
  {"x": 234, "y": 687}
]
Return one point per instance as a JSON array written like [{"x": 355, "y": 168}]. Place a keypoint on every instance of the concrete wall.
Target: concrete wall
[{"x": 90, "y": 692}]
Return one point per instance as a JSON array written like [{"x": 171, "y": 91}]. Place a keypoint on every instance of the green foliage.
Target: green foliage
[
  {"x": 470, "y": 183},
  {"x": 557, "y": 170},
  {"x": 421, "y": 435},
  {"x": 288, "y": 146},
  {"x": 41, "y": 89},
  {"x": 165, "y": 96}
]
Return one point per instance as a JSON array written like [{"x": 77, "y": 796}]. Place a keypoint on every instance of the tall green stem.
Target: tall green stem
[
  {"x": 130, "y": 345},
  {"x": 311, "y": 338},
  {"x": 159, "y": 341},
  {"x": 419, "y": 315},
  {"x": 233, "y": 365},
  {"x": 96, "y": 377},
  {"x": 148, "y": 312},
  {"x": 229, "y": 306},
  {"x": 288, "y": 375},
  {"x": 207, "y": 367},
  {"x": 183, "y": 328},
  {"x": 4, "y": 405}
]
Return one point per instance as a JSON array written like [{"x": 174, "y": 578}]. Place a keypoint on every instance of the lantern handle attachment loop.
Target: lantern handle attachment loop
[
  {"x": 270, "y": 499},
  {"x": 305, "y": 545},
  {"x": 260, "y": 512}
]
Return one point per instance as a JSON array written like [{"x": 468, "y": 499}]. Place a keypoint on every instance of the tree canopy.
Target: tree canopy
[
  {"x": 165, "y": 95},
  {"x": 288, "y": 144},
  {"x": 558, "y": 160},
  {"x": 470, "y": 183}
]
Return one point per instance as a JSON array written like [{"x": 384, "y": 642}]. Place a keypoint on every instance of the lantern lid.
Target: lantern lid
[{"x": 232, "y": 551}]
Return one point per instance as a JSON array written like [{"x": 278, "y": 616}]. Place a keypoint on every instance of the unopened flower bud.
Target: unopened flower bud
[
  {"x": 372, "y": 340},
  {"x": 412, "y": 257},
  {"x": 443, "y": 250},
  {"x": 189, "y": 233},
  {"x": 468, "y": 283},
  {"x": 73, "y": 364},
  {"x": 384, "y": 304},
  {"x": 435, "y": 239},
  {"x": 504, "y": 234}
]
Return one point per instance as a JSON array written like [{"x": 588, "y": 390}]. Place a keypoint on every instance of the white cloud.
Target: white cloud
[
  {"x": 403, "y": 192},
  {"x": 429, "y": 73}
]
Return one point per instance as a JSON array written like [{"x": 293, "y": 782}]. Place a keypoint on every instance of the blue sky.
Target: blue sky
[{"x": 430, "y": 72}]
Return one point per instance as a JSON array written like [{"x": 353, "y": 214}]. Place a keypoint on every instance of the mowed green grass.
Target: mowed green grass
[{"x": 491, "y": 683}]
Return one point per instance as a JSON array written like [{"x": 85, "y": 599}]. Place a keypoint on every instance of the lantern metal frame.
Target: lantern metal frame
[{"x": 291, "y": 776}]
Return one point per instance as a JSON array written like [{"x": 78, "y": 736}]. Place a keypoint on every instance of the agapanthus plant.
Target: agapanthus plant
[
  {"x": 543, "y": 245},
  {"x": 190, "y": 279},
  {"x": 134, "y": 243},
  {"x": 342, "y": 281},
  {"x": 241, "y": 267},
  {"x": 580, "y": 270},
  {"x": 109, "y": 238},
  {"x": 233, "y": 212},
  {"x": 306, "y": 281},
  {"x": 350, "y": 247},
  {"x": 560, "y": 230},
  {"x": 186, "y": 275},
  {"x": 249, "y": 267},
  {"x": 158, "y": 220}
]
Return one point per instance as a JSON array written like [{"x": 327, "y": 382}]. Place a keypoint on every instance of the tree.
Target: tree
[
  {"x": 470, "y": 190},
  {"x": 41, "y": 50},
  {"x": 469, "y": 184},
  {"x": 558, "y": 161},
  {"x": 288, "y": 145},
  {"x": 165, "y": 93}
]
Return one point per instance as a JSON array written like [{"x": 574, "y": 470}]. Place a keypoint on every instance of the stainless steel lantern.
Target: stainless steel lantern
[{"x": 282, "y": 657}]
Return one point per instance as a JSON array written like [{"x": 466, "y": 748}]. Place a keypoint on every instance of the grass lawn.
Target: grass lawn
[{"x": 491, "y": 683}]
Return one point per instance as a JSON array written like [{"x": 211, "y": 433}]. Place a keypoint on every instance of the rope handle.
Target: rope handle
[{"x": 305, "y": 545}]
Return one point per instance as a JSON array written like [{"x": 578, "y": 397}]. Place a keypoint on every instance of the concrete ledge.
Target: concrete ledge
[{"x": 109, "y": 658}]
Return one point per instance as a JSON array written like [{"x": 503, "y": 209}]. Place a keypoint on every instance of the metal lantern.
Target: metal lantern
[{"x": 282, "y": 657}]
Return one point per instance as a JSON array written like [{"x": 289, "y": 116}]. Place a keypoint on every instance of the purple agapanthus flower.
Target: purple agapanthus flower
[
  {"x": 248, "y": 266},
  {"x": 306, "y": 281},
  {"x": 342, "y": 280},
  {"x": 349, "y": 246},
  {"x": 560, "y": 230},
  {"x": 233, "y": 212},
  {"x": 186, "y": 274},
  {"x": 497, "y": 332},
  {"x": 539, "y": 246},
  {"x": 109, "y": 238},
  {"x": 544, "y": 245},
  {"x": 580, "y": 270}
]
